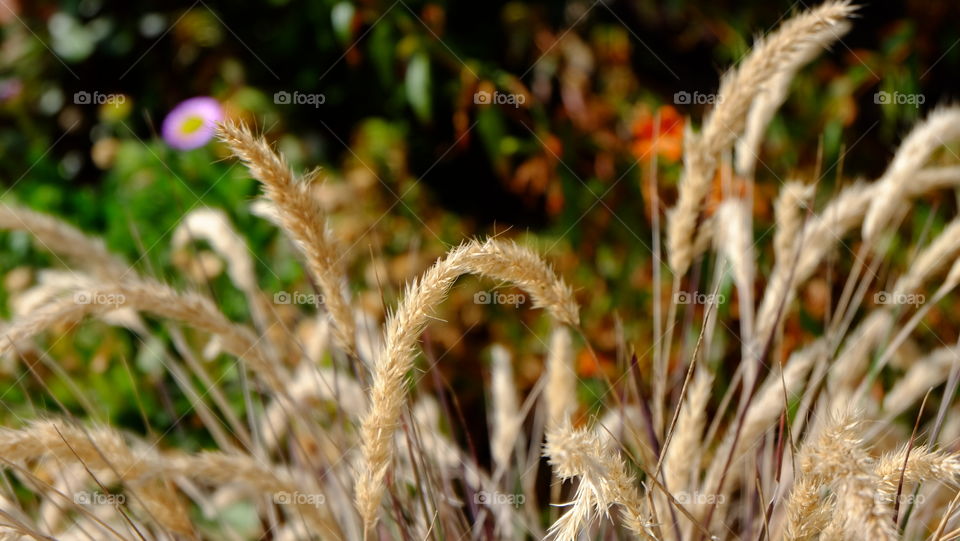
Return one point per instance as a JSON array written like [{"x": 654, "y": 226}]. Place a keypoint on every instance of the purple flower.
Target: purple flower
[
  {"x": 192, "y": 123},
  {"x": 9, "y": 89}
]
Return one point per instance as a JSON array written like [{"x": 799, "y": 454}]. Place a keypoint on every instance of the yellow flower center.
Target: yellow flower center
[{"x": 191, "y": 124}]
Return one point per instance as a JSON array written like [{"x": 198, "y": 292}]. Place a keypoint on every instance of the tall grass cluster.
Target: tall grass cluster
[{"x": 820, "y": 439}]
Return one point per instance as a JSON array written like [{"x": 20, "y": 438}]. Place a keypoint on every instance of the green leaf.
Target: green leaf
[
  {"x": 342, "y": 18},
  {"x": 417, "y": 85},
  {"x": 382, "y": 53}
]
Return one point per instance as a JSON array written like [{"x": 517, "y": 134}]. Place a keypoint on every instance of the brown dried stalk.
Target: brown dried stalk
[
  {"x": 738, "y": 90},
  {"x": 158, "y": 299},
  {"x": 495, "y": 259},
  {"x": 301, "y": 216}
]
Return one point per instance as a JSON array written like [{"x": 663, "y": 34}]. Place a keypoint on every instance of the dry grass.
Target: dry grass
[
  {"x": 302, "y": 218},
  {"x": 492, "y": 258},
  {"x": 738, "y": 93},
  {"x": 809, "y": 438}
]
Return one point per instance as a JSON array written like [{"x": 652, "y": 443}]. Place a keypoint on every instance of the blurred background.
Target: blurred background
[{"x": 550, "y": 122}]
